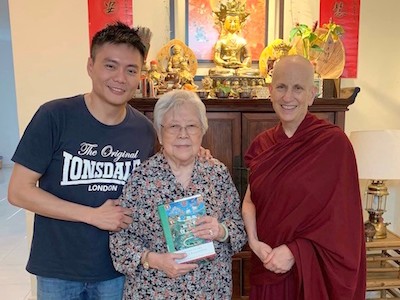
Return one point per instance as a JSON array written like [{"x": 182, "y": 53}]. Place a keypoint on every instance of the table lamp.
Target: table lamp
[{"x": 378, "y": 159}]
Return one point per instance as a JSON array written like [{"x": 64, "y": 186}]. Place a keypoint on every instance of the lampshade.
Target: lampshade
[{"x": 377, "y": 153}]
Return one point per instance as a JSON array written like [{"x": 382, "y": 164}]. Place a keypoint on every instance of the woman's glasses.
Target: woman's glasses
[{"x": 175, "y": 129}]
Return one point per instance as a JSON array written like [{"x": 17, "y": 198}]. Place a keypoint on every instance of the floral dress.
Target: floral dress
[{"x": 152, "y": 184}]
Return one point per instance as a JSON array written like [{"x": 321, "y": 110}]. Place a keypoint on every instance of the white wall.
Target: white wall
[
  {"x": 51, "y": 46},
  {"x": 378, "y": 72},
  {"x": 157, "y": 19}
]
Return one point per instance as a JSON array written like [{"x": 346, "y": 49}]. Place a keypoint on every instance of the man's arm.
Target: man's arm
[
  {"x": 249, "y": 218},
  {"x": 24, "y": 192}
]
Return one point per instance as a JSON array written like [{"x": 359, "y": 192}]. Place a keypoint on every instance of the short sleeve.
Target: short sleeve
[{"x": 36, "y": 147}]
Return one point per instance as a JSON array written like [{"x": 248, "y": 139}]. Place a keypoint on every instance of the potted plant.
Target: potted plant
[
  {"x": 222, "y": 90},
  {"x": 308, "y": 37}
]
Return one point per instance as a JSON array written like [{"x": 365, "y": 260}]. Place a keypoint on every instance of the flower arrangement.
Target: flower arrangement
[
  {"x": 334, "y": 30},
  {"x": 311, "y": 39}
]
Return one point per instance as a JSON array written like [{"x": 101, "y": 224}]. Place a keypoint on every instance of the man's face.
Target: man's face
[
  {"x": 115, "y": 73},
  {"x": 292, "y": 91}
]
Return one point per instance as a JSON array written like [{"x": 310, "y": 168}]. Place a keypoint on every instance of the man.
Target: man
[
  {"x": 302, "y": 209},
  {"x": 81, "y": 151}
]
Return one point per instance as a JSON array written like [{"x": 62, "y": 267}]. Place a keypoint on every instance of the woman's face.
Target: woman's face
[
  {"x": 292, "y": 92},
  {"x": 181, "y": 134}
]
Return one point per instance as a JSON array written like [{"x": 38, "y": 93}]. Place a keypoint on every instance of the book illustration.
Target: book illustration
[
  {"x": 178, "y": 218},
  {"x": 182, "y": 217}
]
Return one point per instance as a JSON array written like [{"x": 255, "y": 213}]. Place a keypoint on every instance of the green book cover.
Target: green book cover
[{"x": 177, "y": 220}]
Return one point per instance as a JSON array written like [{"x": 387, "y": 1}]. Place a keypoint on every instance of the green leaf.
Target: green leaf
[
  {"x": 317, "y": 48},
  {"x": 294, "y": 32}
]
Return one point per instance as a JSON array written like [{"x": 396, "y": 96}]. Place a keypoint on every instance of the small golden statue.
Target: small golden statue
[
  {"x": 235, "y": 89},
  {"x": 185, "y": 77},
  {"x": 176, "y": 59},
  {"x": 231, "y": 52},
  {"x": 207, "y": 83},
  {"x": 271, "y": 54},
  {"x": 154, "y": 73},
  {"x": 178, "y": 63}
]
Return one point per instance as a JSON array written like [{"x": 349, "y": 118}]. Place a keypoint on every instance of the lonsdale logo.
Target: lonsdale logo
[{"x": 78, "y": 170}]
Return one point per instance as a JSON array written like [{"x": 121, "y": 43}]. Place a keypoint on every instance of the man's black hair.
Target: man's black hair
[{"x": 118, "y": 33}]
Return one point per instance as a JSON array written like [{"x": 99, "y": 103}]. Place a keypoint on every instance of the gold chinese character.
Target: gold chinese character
[
  {"x": 338, "y": 9},
  {"x": 109, "y": 7}
]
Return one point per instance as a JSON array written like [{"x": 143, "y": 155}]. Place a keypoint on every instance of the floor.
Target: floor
[{"x": 14, "y": 250}]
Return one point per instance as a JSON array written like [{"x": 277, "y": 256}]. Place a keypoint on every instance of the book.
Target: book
[{"x": 177, "y": 220}]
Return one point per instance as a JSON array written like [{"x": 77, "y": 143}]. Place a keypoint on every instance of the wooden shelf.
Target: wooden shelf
[
  {"x": 383, "y": 266},
  {"x": 392, "y": 241}
]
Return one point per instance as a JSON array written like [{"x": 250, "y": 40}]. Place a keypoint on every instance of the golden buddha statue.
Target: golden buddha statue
[
  {"x": 179, "y": 64},
  {"x": 231, "y": 52},
  {"x": 176, "y": 59}
]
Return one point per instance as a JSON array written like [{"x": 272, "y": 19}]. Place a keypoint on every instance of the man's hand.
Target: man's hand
[
  {"x": 111, "y": 216},
  {"x": 280, "y": 260},
  {"x": 204, "y": 154}
]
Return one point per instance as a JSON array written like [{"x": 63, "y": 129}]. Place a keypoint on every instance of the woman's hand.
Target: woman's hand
[
  {"x": 166, "y": 262},
  {"x": 280, "y": 260},
  {"x": 208, "y": 228}
]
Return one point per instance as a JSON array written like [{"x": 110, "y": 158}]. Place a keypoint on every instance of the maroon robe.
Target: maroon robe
[{"x": 306, "y": 194}]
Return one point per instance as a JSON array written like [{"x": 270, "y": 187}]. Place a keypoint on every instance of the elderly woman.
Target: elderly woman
[{"x": 140, "y": 251}]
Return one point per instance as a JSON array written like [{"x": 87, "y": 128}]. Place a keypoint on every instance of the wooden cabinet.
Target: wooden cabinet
[
  {"x": 233, "y": 124},
  {"x": 223, "y": 138}
]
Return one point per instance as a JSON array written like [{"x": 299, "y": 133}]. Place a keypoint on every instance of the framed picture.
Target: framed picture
[{"x": 202, "y": 30}]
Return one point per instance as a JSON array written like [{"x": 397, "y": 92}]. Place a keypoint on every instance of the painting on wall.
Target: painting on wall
[{"x": 202, "y": 30}]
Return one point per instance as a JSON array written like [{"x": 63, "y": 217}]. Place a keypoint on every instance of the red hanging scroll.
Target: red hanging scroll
[
  {"x": 104, "y": 12},
  {"x": 345, "y": 13}
]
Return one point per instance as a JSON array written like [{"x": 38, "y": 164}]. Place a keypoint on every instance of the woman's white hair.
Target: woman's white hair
[{"x": 174, "y": 99}]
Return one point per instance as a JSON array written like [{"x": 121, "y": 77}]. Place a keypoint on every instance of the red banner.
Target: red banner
[
  {"x": 345, "y": 13},
  {"x": 104, "y": 12}
]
